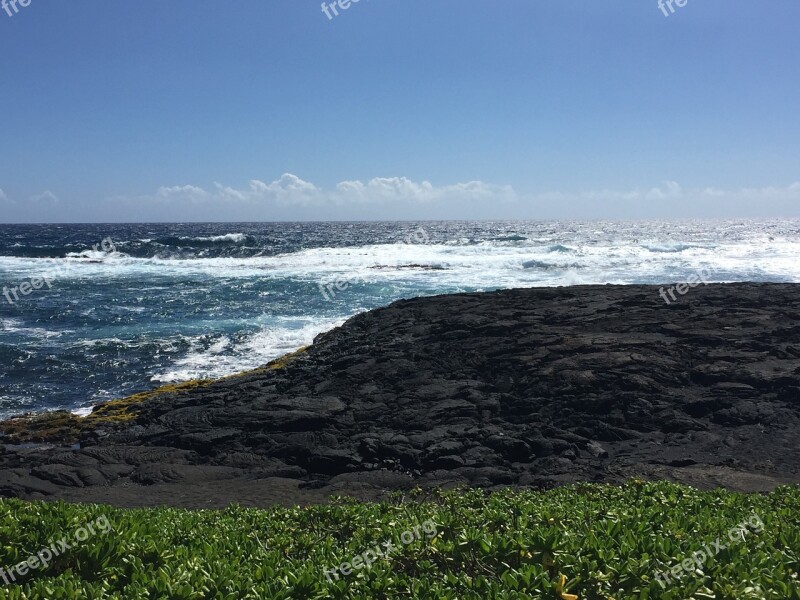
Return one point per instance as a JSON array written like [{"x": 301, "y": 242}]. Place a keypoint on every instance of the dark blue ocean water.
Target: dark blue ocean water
[{"x": 125, "y": 308}]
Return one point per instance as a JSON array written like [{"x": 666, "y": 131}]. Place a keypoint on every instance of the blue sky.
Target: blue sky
[{"x": 193, "y": 110}]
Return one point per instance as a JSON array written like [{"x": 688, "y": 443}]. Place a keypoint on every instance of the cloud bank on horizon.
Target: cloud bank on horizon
[{"x": 291, "y": 198}]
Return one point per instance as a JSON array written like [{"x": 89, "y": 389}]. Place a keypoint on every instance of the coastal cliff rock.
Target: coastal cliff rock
[{"x": 528, "y": 387}]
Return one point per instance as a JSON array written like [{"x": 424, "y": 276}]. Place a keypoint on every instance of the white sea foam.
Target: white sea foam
[
  {"x": 93, "y": 255},
  {"x": 226, "y": 358},
  {"x": 228, "y": 237},
  {"x": 101, "y": 342},
  {"x": 494, "y": 264},
  {"x": 409, "y": 267},
  {"x": 34, "y": 333},
  {"x": 10, "y": 324}
]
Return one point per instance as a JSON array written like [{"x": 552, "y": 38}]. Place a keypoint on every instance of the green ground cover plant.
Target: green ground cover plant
[{"x": 582, "y": 541}]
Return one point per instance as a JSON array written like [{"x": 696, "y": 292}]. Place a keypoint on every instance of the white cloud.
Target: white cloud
[
  {"x": 290, "y": 190},
  {"x": 290, "y": 198},
  {"x": 402, "y": 189},
  {"x": 182, "y": 191},
  {"x": 671, "y": 200},
  {"x": 668, "y": 189},
  {"x": 228, "y": 193},
  {"x": 46, "y": 197}
]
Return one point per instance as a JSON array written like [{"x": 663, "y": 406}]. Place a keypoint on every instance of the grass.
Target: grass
[{"x": 584, "y": 541}]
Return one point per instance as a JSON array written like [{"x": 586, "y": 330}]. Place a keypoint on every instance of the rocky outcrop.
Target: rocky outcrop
[{"x": 533, "y": 387}]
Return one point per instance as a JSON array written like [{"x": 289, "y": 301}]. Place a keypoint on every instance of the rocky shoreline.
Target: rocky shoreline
[{"x": 528, "y": 387}]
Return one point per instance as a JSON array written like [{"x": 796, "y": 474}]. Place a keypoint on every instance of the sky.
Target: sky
[{"x": 270, "y": 110}]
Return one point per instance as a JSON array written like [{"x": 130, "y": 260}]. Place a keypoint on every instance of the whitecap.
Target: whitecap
[
  {"x": 255, "y": 350},
  {"x": 237, "y": 238}
]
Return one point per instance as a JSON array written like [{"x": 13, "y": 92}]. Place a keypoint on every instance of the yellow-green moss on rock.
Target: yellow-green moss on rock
[
  {"x": 274, "y": 365},
  {"x": 62, "y": 427}
]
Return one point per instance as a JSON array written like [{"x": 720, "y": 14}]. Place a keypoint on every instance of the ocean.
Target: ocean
[{"x": 90, "y": 313}]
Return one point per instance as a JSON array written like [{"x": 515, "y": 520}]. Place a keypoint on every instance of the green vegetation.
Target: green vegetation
[{"x": 589, "y": 541}]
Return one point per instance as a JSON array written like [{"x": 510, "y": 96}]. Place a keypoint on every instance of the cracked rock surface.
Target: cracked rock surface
[{"x": 531, "y": 387}]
